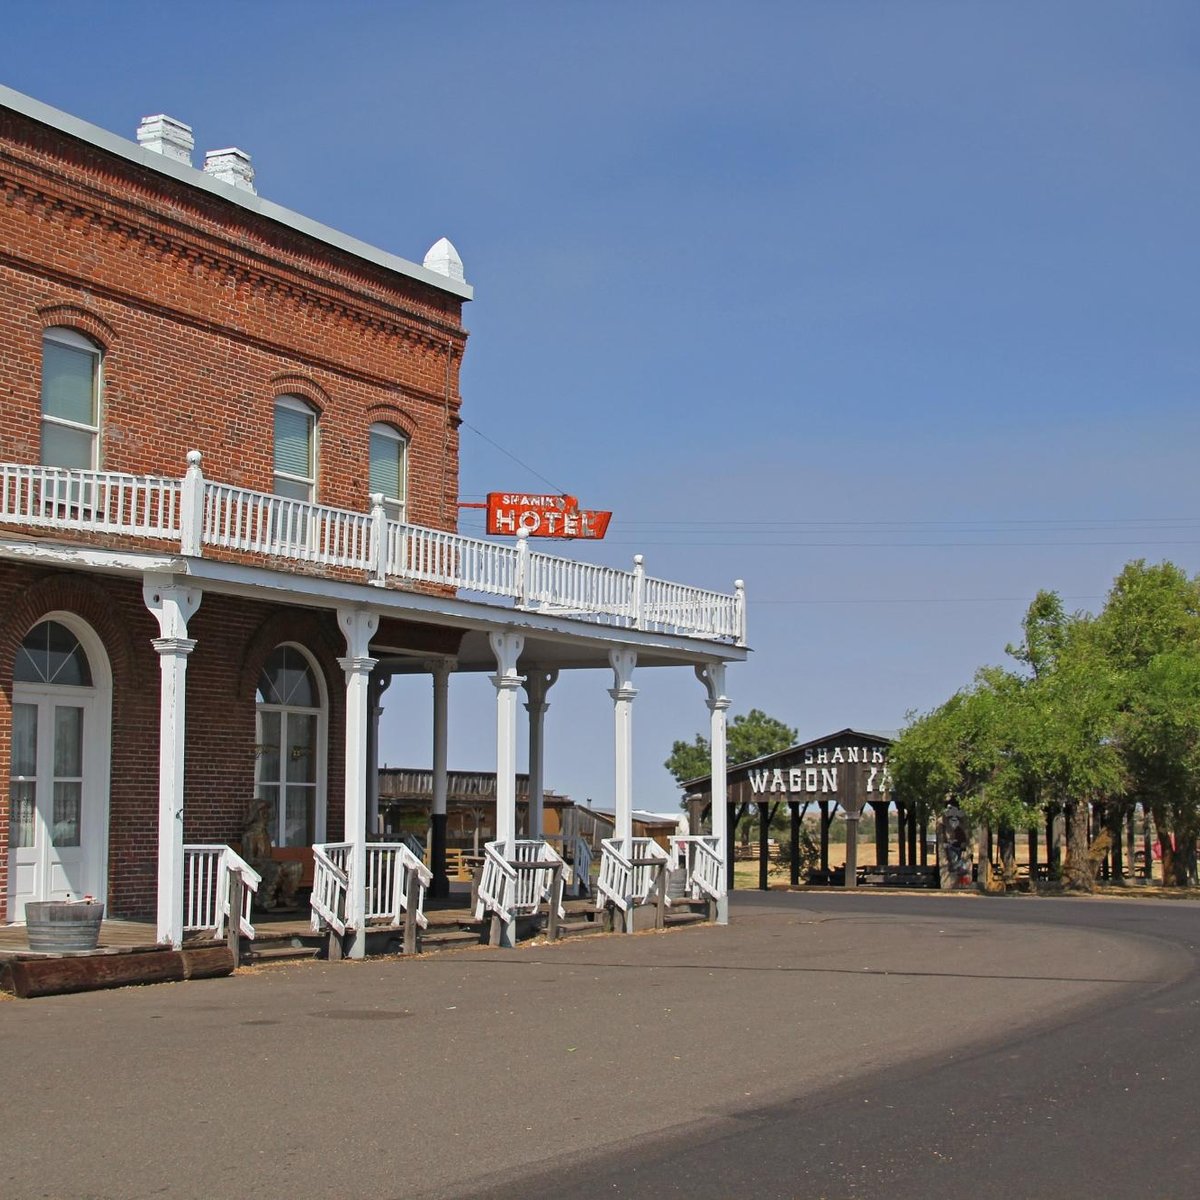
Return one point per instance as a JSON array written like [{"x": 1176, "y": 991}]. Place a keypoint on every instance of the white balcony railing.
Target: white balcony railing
[{"x": 199, "y": 513}]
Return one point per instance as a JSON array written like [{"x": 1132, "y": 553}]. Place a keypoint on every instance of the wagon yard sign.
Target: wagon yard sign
[
  {"x": 849, "y": 768},
  {"x": 543, "y": 516}
]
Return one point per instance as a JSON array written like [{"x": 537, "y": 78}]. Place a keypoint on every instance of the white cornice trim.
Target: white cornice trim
[{"x": 35, "y": 110}]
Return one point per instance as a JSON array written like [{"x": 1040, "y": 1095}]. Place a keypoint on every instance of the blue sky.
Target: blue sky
[{"x": 888, "y": 309}]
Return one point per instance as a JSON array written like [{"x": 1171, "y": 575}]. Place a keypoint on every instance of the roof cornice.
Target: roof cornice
[{"x": 192, "y": 177}]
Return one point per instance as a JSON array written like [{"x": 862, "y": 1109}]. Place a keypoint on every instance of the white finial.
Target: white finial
[{"x": 444, "y": 259}]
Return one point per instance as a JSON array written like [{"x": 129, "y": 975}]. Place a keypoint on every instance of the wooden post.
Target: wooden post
[
  {"x": 1147, "y": 847},
  {"x": 1118, "y": 850},
  {"x": 411, "y": 899},
  {"x": 1033, "y": 853},
  {"x": 233, "y": 932},
  {"x": 765, "y": 813},
  {"x": 794, "y": 805},
  {"x": 852, "y": 815},
  {"x": 660, "y": 900},
  {"x": 924, "y": 831},
  {"x": 882, "y": 839},
  {"x": 912, "y": 836},
  {"x": 731, "y": 819},
  {"x": 1130, "y": 843},
  {"x": 556, "y": 895},
  {"x": 901, "y": 835},
  {"x": 823, "y": 805}
]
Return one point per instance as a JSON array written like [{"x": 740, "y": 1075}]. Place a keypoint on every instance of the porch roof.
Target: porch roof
[{"x": 551, "y": 641}]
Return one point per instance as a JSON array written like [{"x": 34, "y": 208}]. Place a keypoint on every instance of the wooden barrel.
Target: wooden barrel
[{"x": 55, "y": 926}]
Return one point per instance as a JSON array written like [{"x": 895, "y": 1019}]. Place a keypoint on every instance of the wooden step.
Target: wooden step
[
  {"x": 285, "y": 953},
  {"x": 675, "y": 918},
  {"x": 579, "y": 928},
  {"x": 444, "y": 939}
]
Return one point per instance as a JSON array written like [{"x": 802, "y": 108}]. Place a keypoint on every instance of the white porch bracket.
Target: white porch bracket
[
  {"x": 358, "y": 626},
  {"x": 712, "y": 676},
  {"x": 173, "y": 605},
  {"x": 537, "y": 684},
  {"x": 507, "y": 648}
]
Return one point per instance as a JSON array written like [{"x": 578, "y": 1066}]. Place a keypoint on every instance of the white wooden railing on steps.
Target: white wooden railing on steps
[
  {"x": 206, "y": 874},
  {"x": 200, "y": 513},
  {"x": 630, "y": 878},
  {"x": 700, "y": 854},
  {"x": 331, "y": 882},
  {"x": 517, "y": 878},
  {"x": 393, "y": 872},
  {"x": 577, "y": 854},
  {"x": 389, "y": 866}
]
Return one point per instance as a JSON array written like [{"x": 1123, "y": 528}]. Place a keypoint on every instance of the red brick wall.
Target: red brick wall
[
  {"x": 206, "y": 313},
  {"x": 233, "y": 638}
]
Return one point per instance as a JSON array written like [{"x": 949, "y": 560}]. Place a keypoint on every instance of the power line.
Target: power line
[{"x": 520, "y": 462}]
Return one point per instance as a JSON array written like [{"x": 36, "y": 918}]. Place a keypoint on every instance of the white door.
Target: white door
[{"x": 57, "y": 822}]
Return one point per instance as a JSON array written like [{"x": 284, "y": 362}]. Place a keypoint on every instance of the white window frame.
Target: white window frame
[
  {"x": 396, "y": 507},
  {"x": 299, "y": 405},
  {"x": 320, "y": 795},
  {"x": 63, "y": 335}
]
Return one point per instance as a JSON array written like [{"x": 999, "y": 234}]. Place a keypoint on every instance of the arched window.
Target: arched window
[
  {"x": 291, "y": 738},
  {"x": 389, "y": 469},
  {"x": 71, "y": 384},
  {"x": 295, "y": 449},
  {"x": 51, "y": 653}
]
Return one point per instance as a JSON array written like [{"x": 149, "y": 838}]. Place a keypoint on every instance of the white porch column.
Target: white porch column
[
  {"x": 712, "y": 675},
  {"x": 507, "y": 648},
  {"x": 380, "y": 682},
  {"x": 623, "y": 692},
  {"x": 358, "y": 626},
  {"x": 172, "y": 606},
  {"x": 537, "y": 684},
  {"x": 440, "y": 669}
]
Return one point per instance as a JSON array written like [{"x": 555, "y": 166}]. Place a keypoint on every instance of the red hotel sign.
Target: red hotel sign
[{"x": 543, "y": 516}]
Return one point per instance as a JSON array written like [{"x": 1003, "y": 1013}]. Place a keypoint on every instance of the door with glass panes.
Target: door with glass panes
[
  {"x": 290, "y": 714},
  {"x": 57, "y": 788}
]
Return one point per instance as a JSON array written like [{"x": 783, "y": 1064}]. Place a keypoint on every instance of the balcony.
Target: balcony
[{"x": 200, "y": 515}]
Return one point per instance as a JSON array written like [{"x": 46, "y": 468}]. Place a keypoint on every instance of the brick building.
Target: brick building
[{"x": 228, "y": 502}]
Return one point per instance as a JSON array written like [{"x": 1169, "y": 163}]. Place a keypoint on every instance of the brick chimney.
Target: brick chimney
[
  {"x": 167, "y": 136},
  {"x": 231, "y": 166}
]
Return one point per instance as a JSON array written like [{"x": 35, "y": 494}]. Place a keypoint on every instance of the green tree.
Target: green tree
[
  {"x": 750, "y": 736},
  {"x": 1149, "y": 631}
]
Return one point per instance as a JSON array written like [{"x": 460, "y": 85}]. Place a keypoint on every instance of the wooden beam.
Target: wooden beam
[{"x": 84, "y": 973}]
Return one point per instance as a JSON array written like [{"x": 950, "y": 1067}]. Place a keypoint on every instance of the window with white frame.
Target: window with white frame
[
  {"x": 291, "y": 735},
  {"x": 295, "y": 449},
  {"x": 389, "y": 469},
  {"x": 71, "y": 379}
]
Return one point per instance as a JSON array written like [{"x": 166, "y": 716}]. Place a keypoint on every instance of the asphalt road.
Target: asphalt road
[{"x": 820, "y": 1046}]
